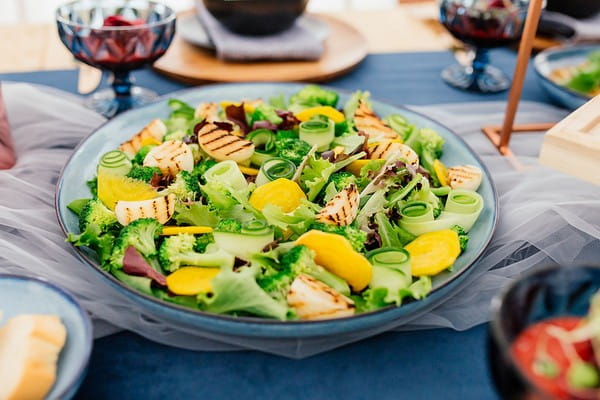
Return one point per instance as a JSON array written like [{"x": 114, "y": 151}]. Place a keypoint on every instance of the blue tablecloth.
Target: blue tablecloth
[{"x": 436, "y": 364}]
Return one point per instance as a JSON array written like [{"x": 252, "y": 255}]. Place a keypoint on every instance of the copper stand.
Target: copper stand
[{"x": 500, "y": 135}]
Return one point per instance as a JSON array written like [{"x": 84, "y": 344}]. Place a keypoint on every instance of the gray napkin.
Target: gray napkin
[{"x": 295, "y": 43}]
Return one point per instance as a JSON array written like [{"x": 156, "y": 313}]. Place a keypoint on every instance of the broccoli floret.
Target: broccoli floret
[
  {"x": 144, "y": 174},
  {"x": 202, "y": 242},
  {"x": 287, "y": 134},
  {"x": 265, "y": 112},
  {"x": 299, "y": 260},
  {"x": 201, "y": 168},
  {"x": 355, "y": 236},
  {"x": 229, "y": 225},
  {"x": 342, "y": 180},
  {"x": 94, "y": 212},
  {"x": 92, "y": 184},
  {"x": 185, "y": 187},
  {"x": 178, "y": 250},
  {"x": 292, "y": 149},
  {"x": 140, "y": 234},
  {"x": 463, "y": 237},
  {"x": 314, "y": 94},
  {"x": 278, "y": 284},
  {"x": 138, "y": 159},
  {"x": 94, "y": 238}
]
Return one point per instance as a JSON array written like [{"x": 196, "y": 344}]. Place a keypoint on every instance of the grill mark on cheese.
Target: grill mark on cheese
[
  {"x": 465, "y": 176},
  {"x": 170, "y": 157},
  {"x": 313, "y": 299},
  {"x": 366, "y": 120},
  {"x": 156, "y": 129},
  {"x": 240, "y": 147},
  {"x": 161, "y": 208},
  {"x": 213, "y": 140},
  {"x": 342, "y": 209}
]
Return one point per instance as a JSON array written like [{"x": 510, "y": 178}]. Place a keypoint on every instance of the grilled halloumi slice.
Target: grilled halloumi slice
[
  {"x": 207, "y": 111},
  {"x": 223, "y": 145},
  {"x": 151, "y": 134},
  {"x": 342, "y": 209},
  {"x": 465, "y": 177},
  {"x": 160, "y": 208},
  {"x": 367, "y": 121},
  {"x": 312, "y": 299},
  {"x": 382, "y": 150},
  {"x": 170, "y": 157}
]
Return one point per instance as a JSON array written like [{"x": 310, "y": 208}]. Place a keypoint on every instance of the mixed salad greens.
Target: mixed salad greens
[
  {"x": 584, "y": 78},
  {"x": 280, "y": 208}
]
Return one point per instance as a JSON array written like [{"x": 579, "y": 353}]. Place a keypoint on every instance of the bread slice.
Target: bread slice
[{"x": 29, "y": 350}]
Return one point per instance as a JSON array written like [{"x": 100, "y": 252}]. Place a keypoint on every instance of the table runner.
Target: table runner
[{"x": 30, "y": 237}]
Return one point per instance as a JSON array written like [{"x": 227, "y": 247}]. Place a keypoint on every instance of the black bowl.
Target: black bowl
[
  {"x": 575, "y": 8},
  {"x": 545, "y": 293},
  {"x": 256, "y": 17}
]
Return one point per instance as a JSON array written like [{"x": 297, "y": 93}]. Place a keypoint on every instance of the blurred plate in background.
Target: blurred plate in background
[
  {"x": 345, "y": 48},
  {"x": 556, "y": 58},
  {"x": 192, "y": 31}
]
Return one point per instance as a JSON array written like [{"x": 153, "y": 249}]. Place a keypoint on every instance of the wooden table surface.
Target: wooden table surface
[{"x": 408, "y": 27}]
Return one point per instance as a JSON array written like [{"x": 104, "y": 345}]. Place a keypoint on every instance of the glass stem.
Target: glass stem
[
  {"x": 121, "y": 84},
  {"x": 481, "y": 60}
]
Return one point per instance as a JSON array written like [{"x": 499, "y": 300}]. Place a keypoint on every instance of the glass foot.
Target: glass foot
[
  {"x": 106, "y": 103},
  {"x": 488, "y": 80}
]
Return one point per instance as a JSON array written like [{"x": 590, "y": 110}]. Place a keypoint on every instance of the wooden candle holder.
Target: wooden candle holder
[{"x": 500, "y": 135}]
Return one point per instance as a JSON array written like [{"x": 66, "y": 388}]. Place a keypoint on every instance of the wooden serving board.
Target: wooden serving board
[
  {"x": 344, "y": 49},
  {"x": 573, "y": 145}
]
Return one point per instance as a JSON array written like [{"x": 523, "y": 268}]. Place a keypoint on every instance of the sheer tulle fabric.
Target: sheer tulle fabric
[{"x": 545, "y": 217}]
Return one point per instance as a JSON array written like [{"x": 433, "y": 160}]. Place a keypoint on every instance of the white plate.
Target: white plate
[{"x": 192, "y": 31}]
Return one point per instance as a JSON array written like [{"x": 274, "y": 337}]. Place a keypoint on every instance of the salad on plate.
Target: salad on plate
[
  {"x": 294, "y": 208},
  {"x": 583, "y": 78}
]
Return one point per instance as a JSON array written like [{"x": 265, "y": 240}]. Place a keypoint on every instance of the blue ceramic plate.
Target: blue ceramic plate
[
  {"x": 552, "y": 59},
  {"x": 82, "y": 166},
  {"x": 25, "y": 295}
]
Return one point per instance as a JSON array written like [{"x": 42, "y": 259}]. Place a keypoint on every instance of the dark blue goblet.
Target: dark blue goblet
[
  {"x": 482, "y": 24},
  {"x": 117, "y": 36}
]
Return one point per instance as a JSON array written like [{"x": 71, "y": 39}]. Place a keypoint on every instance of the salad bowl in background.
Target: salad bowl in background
[
  {"x": 541, "y": 295},
  {"x": 557, "y": 58},
  {"x": 81, "y": 166},
  {"x": 25, "y": 295}
]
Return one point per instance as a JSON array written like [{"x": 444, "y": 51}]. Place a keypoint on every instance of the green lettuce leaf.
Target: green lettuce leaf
[
  {"x": 195, "y": 214},
  {"x": 237, "y": 292}
]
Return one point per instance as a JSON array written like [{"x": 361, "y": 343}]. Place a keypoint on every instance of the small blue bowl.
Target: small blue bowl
[
  {"x": 552, "y": 59},
  {"x": 26, "y": 295}
]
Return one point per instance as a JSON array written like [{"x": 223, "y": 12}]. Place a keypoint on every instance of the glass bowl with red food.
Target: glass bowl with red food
[
  {"x": 544, "y": 339},
  {"x": 117, "y": 36}
]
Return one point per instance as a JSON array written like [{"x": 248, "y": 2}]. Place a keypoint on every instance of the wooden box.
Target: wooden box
[{"x": 573, "y": 145}]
